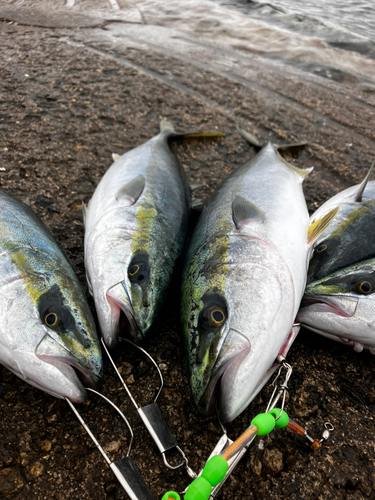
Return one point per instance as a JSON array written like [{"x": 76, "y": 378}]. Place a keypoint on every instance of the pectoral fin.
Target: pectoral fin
[
  {"x": 244, "y": 212},
  {"x": 132, "y": 191}
]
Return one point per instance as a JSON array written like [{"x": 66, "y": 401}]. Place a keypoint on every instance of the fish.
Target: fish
[
  {"x": 341, "y": 306},
  {"x": 47, "y": 332},
  {"x": 136, "y": 225},
  {"x": 350, "y": 235},
  {"x": 243, "y": 280}
]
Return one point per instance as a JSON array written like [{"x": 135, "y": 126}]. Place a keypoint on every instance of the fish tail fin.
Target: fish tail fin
[
  {"x": 294, "y": 149},
  {"x": 166, "y": 126},
  {"x": 362, "y": 186},
  {"x": 318, "y": 226}
]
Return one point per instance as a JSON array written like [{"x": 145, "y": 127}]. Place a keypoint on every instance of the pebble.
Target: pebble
[
  {"x": 45, "y": 445},
  {"x": 257, "y": 466},
  {"x": 37, "y": 469},
  {"x": 112, "y": 446},
  {"x": 130, "y": 380},
  {"x": 273, "y": 459},
  {"x": 125, "y": 368},
  {"x": 23, "y": 458},
  {"x": 10, "y": 481}
]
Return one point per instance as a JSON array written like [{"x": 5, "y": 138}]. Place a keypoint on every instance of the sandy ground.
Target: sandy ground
[{"x": 74, "y": 88}]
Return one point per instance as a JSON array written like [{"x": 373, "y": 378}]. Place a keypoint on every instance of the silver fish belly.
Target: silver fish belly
[
  {"x": 244, "y": 277},
  {"x": 47, "y": 332}
]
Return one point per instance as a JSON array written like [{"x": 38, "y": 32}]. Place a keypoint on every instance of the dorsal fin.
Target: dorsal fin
[
  {"x": 362, "y": 186},
  {"x": 318, "y": 226},
  {"x": 166, "y": 125},
  {"x": 243, "y": 212},
  {"x": 132, "y": 190}
]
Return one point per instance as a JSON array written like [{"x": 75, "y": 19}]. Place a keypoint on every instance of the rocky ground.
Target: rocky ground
[{"x": 74, "y": 88}]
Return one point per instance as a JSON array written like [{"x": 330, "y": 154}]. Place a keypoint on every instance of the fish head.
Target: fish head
[
  {"x": 348, "y": 239},
  {"x": 324, "y": 255},
  {"x": 49, "y": 336},
  {"x": 47, "y": 332},
  {"x": 342, "y": 305},
  {"x": 128, "y": 288},
  {"x": 233, "y": 328}
]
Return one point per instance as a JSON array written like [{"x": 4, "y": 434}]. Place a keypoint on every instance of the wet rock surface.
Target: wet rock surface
[{"x": 64, "y": 110}]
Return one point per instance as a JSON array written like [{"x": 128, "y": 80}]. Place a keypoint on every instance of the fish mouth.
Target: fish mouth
[
  {"x": 78, "y": 377},
  {"x": 221, "y": 386},
  {"x": 340, "y": 306},
  {"x": 237, "y": 347},
  {"x": 209, "y": 402},
  {"x": 122, "y": 321}
]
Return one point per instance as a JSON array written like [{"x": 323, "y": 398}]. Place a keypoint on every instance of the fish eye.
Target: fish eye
[
  {"x": 133, "y": 270},
  {"x": 51, "y": 319},
  {"x": 138, "y": 272},
  {"x": 213, "y": 315},
  {"x": 217, "y": 317},
  {"x": 364, "y": 287},
  {"x": 321, "y": 248}
]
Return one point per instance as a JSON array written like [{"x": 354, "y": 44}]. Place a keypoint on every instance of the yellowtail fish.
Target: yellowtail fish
[
  {"x": 47, "y": 332},
  {"x": 350, "y": 235},
  {"x": 341, "y": 306},
  {"x": 136, "y": 225},
  {"x": 244, "y": 277}
]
